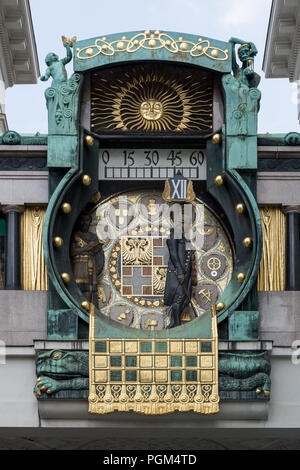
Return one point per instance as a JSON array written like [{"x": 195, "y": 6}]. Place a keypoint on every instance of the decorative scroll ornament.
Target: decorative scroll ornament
[{"x": 152, "y": 41}]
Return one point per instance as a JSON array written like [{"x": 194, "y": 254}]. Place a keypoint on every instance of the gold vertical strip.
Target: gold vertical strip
[
  {"x": 33, "y": 268},
  {"x": 271, "y": 276}
]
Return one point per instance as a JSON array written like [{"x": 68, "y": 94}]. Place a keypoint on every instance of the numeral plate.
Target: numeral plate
[{"x": 151, "y": 163}]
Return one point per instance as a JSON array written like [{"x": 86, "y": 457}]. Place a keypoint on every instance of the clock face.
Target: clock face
[{"x": 135, "y": 227}]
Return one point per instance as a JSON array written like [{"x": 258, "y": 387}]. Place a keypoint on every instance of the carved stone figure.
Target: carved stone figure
[
  {"x": 179, "y": 279},
  {"x": 11, "y": 138},
  {"x": 246, "y": 52},
  {"x": 68, "y": 371},
  {"x": 245, "y": 371},
  {"x": 87, "y": 257},
  {"x": 62, "y": 95},
  {"x": 61, "y": 370},
  {"x": 56, "y": 68}
]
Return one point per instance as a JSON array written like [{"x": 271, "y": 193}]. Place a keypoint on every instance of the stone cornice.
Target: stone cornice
[
  {"x": 18, "y": 54},
  {"x": 283, "y": 40}
]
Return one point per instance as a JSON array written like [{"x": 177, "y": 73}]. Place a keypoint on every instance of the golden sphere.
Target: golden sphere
[
  {"x": 199, "y": 48},
  {"x": 168, "y": 42},
  {"x": 247, "y": 242},
  {"x": 86, "y": 305},
  {"x": 240, "y": 277},
  {"x": 152, "y": 42},
  {"x": 58, "y": 242},
  {"x": 157, "y": 32},
  {"x": 89, "y": 140},
  {"x": 147, "y": 32},
  {"x": 120, "y": 45},
  {"x": 49, "y": 391},
  {"x": 86, "y": 180},
  {"x": 65, "y": 277},
  {"x": 183, "y": 46},
  {"x": 266, "y": 393},
  {"x": 123, "y": 38},
  {"x": 215, "y": 53},
  {"x": 219, "y": 180},
  {"x": 220, "y": 306},
  {"x": 258, "y": 391},
  {"x": 216, "y": 138},
  {"x": 240, "y": 208},
  {"x": 89, "y": 51},
  {"x": 66, "y": 207}
]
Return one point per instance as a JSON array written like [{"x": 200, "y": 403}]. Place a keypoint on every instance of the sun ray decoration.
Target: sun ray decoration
[{"x": 148, "y": 98}]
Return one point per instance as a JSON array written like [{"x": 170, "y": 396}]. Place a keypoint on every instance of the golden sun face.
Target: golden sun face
[
  {"x": 151, "y": 98},
  {"x": 151, "y": 109}
]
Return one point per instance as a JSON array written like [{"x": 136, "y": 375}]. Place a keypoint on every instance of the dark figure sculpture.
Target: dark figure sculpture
[
  {"x": 246, "y": 53},
  {"x": 87, "y": 258},
  {"x": 56, "y": 68},
  {"x": 181, "y": 277}
]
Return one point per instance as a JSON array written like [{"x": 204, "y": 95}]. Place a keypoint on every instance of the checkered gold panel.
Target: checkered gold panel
[{"x": 153, "y": 376}]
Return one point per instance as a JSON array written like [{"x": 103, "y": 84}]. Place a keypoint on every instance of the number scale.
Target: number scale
[{"x": 138, "y": 164}]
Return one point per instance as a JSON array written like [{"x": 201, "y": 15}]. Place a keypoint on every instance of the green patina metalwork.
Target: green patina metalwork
[
  {"x": 62, "y": 102},
  {"x": 14, "y": 138},
  {"x": 62, "y": 374},
  {"x": 186, "y": 48},
  {"x": 235, "y": 159}
]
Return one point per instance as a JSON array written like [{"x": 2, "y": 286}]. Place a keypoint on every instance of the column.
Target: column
[
  {"x": 292, "y": 247},
  {"x": 12, "y": 250}
]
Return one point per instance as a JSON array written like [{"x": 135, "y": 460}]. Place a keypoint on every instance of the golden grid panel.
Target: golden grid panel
[{"x": 183, "y": 356}]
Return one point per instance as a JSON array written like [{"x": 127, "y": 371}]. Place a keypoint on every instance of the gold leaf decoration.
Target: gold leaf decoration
[
  {"x": 156, "y": 40},
  {"x": 33, "y": 268},
  {"x": 152, "y": 98},
  {"x": 271, "y": 276}
]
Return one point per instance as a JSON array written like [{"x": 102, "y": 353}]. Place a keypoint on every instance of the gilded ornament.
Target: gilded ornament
[
  {"x": 157, "y": 41},
  {"x": 65, "y": 277},
  {"x": 247, "y": 242},
  {"x": 258, "y": 391},
  {"x": 121, "y": 45},
  {"x": 216, "y": 138},
  {"x": 71, "y": 41},
  {"x": 86, "y": 180},
  {"x": 89, "y": 140},
  {"x": 240, "y": 277},
  {"x": 66, "y": 207},
  {"x": 184, "y": 46},
  {"x": 58, "y": 242},
  {"x": 240, "y": 208},
  {"x": 219, "y": 180},
  {"x": 151, "y": 109},
  {"x": 154, "y": 99},
  {"x": 220, "y": 306},
  {"x": 89, "y": 51},
  {"x": 266, "y": 393},
  {"x": 86, "y": 305}
]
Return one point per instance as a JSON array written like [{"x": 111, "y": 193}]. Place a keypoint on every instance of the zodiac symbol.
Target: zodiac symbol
[
  {"x": 150, "y": 323},
  {"x": 206, "y": 294},
  {"x": 123, "y": 315},
  {"x": 214, "y": 263}
]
